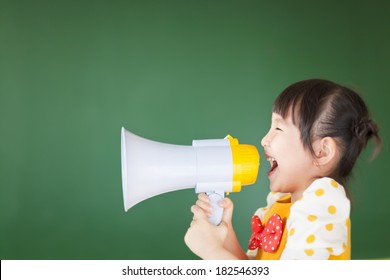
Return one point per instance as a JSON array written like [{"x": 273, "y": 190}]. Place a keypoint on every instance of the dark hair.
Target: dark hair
[{"x": 321, "y": 108}]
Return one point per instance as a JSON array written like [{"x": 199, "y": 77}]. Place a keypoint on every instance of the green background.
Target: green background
[{"x": 72, "y": 73}]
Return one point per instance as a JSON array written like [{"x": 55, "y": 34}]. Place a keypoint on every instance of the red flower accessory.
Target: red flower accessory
[{"x": 267, "y": 238}]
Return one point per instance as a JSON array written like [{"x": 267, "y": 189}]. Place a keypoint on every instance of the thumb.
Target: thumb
[{"x": 227, "y": 205}]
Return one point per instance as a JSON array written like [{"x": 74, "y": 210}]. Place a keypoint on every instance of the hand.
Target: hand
[
  {"x": 205, "y": 239},
  {"x": 204, "y": 204}
]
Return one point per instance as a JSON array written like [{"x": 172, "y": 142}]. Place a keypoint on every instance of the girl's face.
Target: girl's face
[{"x": 292, "y": 166}]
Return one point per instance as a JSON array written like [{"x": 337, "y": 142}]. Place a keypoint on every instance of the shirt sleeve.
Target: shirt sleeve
[{"x": 317, "y": 224}]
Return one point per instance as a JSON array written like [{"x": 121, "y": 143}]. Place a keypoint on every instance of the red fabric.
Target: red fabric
[{"x": 268, "y": 238}]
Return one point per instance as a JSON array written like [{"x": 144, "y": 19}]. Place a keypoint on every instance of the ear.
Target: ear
[{"x": 325, "y": 151}]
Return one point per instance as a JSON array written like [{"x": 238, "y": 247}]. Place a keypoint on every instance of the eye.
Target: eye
[{"x": 278, "y": 128}]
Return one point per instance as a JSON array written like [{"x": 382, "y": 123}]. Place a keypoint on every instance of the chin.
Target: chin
[
  {"x": 274, "y": 188},
  {"x": 277, "y": 187}
]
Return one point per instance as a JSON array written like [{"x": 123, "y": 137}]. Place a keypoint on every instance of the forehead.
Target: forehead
[{"x": 276, "y": 118}]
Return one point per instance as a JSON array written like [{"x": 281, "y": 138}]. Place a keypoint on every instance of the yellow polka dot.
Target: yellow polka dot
[
  {"x": 309, "y": 252},
  {"x": 329, "y": 227},
  {"x": 332, "y": 209},
  {"x": 319, "y": 192},
  {"x": 310, "y": 238},
  {"x": 330, "y": 250},
  {"x": 334, "y": 184},
  {"x": 312, "y": 218},
  {"x": 292, "y": 231}
]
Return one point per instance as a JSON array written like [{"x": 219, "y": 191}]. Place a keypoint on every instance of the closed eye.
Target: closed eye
[{"x": 278, "y": 128}]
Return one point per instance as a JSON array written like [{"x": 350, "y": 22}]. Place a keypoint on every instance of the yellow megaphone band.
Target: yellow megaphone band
[{"x": 246, "y": 163}]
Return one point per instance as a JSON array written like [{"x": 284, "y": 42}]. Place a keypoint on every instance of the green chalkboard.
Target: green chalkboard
[{"x": 72, "y": 73}]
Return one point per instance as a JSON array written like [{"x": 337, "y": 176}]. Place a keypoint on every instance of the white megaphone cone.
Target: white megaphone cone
[{"x": 213, "y": 166}]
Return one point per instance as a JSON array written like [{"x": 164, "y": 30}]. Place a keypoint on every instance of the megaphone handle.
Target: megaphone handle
[{"x": 215, "y": 197}]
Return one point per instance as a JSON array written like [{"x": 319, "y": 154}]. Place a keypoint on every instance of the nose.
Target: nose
[{"x": 265, "y": 141}]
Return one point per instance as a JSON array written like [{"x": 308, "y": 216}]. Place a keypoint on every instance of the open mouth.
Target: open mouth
[{"x": 274, "y": 165}]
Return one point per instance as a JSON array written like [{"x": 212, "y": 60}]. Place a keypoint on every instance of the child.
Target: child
[{"x": 317, "y": 132}]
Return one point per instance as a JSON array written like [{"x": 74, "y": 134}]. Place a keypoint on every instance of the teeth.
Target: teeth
[{"x": 271, "y": 161}]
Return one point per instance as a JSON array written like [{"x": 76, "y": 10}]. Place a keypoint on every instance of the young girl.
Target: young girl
[{"x": 317, "y": 132}]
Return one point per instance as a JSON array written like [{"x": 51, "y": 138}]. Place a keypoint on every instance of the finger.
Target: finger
[
  {"x": 205, "y": 206},
  {"x": 198, "y": 212},
  {"x": 228, "y": 206},
  {"x": 204, "y": 197},
  {"x": 226, "y": 203}
]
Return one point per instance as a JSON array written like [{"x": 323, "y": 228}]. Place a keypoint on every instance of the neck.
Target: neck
[
  {"x": 298, "y": 193},
  {"x": 296, "y": 196}
]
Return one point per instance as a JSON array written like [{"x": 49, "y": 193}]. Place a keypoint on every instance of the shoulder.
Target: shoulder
[
  {"x": 324, "y": 197},
  {"x": 324, "y": 187},
  {"x": 318, "y": 221}
]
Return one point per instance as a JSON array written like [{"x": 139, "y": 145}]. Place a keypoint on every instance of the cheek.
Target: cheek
[
  {"x": 294, "y": 156},
  {"x": 303, "y": 159}
]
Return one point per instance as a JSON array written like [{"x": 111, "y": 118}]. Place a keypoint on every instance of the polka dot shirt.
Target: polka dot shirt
[{"x": 317, "y": 224}]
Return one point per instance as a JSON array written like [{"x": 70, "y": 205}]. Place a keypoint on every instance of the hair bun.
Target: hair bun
[
  {"x": 364, "y": 130},
  {"x": 360, "y": 129}
]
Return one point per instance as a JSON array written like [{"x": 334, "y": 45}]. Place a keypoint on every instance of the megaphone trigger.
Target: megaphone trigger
[{"x": 217, "y": 212}]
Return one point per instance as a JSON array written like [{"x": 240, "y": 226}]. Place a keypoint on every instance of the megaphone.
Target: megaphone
[{"x": 213, "y": 166}]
